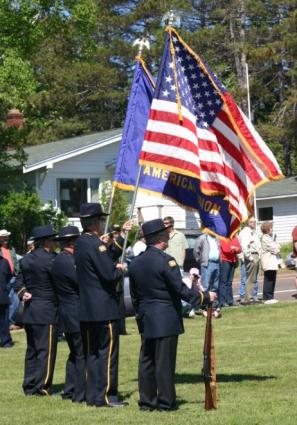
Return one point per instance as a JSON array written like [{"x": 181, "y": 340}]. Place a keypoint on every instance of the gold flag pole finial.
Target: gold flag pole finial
[{"x": 141, "y": 43}]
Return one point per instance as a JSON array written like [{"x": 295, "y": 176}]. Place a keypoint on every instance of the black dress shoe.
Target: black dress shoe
[
  {"x": 66, "y": 396},
  {"x": 113, "y": 404},
  {"x": 146, "y": 409},
  {"x": 118, "y": 404},
  {"x": 167, "y": 409}
]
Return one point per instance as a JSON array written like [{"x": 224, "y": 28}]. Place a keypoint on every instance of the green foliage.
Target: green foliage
[
  {"x": 21, "y": 211},
  {"x": 120, "y": 206},
  {"x": 68, "y": 64}
]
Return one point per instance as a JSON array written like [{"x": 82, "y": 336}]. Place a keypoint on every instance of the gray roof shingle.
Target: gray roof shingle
[
  {"x": 284, "y": 187},
  {"x": 46, "y": 152}
]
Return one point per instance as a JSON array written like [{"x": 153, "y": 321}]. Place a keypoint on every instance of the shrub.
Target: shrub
[{"x": 21, "y": 211}]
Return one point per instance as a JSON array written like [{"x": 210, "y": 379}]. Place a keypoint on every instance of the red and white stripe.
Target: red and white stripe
[{"x": 225, "y": 163}]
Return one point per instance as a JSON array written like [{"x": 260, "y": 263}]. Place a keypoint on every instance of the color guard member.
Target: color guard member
[
  {"x": 157, "y": 288},
  {"x": 35, "y": 287},
  {"x": 66, "y": 285},
  {"x": 99, "y": 313}
]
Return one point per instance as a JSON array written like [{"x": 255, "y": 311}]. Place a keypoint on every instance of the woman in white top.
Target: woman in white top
[{"x": 269, "y": 261}]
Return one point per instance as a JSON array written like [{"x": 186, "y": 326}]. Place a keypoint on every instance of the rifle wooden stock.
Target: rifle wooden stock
[{"x": 209, "y": 368}]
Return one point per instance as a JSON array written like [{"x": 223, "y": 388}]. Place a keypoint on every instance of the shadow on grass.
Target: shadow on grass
[{"x": 189, "y": 378}]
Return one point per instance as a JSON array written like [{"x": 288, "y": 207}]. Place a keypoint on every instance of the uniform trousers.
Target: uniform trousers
[
  {"x": 101, "y": 347},
  {"x": 157, "y": 362},
  {"x": 40, "y": 358},
  {"x": 5, "y": 337},
  {"x": 74, "y": 387}
]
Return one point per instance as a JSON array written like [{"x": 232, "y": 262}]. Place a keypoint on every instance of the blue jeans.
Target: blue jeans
[
  {"x": 242, "y": 283},
  {"x": 13, "y": 301},
  {"x": 225, "y": 292},
  {"x": 210, "y": 276}
]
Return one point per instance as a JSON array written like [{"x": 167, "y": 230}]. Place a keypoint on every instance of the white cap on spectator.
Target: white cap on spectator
[
  {"x": 4, "y": 232},
  {"x": 194, "y": 271}
]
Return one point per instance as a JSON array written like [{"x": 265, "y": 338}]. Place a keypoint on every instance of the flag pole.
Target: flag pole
[
  {"x": 109, "y": 209},
  {"x": 131, "y": 211},
  {"x": 250, "y": 118},
  {"x": 141, "y": 42}
]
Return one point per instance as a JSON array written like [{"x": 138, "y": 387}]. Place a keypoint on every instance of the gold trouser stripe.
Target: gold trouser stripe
[
  {"x": 88, "y": 351},
  {"x": 50, "y": 338},
  {"x": 108, "y": 362},
  {"x": 202, "y": 297}
]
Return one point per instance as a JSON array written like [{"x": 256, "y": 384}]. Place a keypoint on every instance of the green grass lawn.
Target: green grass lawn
[{"x": 256, "y": 355}]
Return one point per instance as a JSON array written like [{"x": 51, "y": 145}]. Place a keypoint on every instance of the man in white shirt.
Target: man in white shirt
[
  {"x": 251, "y": 249},
  {"x": 177, "y": 244}
]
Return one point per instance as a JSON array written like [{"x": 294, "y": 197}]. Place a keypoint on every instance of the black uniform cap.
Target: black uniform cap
[
  {"x": 43, "y": 232},
  {"x": 89, "y": 209},
  {"x": 67, "y": 232},
  {"x": 153, "y": 226}
]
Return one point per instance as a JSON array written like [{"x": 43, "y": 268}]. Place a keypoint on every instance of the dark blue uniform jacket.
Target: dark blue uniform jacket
[
  {"x": 157, "y": 288},
  {"x": 65, "y": 280},
  {"x": 97, "y": 278},
  {"x": 35, "y": 277}
]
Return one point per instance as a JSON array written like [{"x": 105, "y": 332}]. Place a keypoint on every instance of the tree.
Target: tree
[
  {"x": 120, "y": 205},
  {"x": 21, "y": 211}
]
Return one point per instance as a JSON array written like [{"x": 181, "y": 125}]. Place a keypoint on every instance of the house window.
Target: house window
[
  {"x": 94, "y": 186},
  {"x": 72, "y": 193},
  {"x": 266, "y": 214}
]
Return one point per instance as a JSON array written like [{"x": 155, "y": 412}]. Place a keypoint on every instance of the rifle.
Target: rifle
[{"x": 209, "y": 368}]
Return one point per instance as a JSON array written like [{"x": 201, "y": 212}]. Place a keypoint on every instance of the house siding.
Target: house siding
[
  {"x": 88, "y": 165},
  {"x": 284, "y": 216},
  {"x": 152, "y": 207}
]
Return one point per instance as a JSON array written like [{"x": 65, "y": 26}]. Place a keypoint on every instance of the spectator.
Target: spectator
[
  {"x": 8, "y": 252},
  {"x": 251, "y": 248},
  {"x": 177, "y": 242},
  {"x": 193, "y": 281},
  {"x": 30, "y": 245},
  {"x": 269, "y": 261},
  {"x": 229, "y": 250},
  {"x": 207, "y": 254},
  {"x": 243, "y": 282},
  {"x": 140, "y": 245}
]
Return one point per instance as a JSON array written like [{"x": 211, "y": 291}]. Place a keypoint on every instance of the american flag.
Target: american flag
[{"x": 195, "y": 128}]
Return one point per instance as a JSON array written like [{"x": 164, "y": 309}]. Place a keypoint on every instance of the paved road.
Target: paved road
[{"x": 285, "y": 289}]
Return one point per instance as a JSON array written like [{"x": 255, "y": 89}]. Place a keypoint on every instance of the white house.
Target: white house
[
  {"x": 71, "y": 171},
  {"x": 277, "y": 201}
]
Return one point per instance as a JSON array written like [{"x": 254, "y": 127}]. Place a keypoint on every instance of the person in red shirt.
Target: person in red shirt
[{"x": 229, "y": 250}]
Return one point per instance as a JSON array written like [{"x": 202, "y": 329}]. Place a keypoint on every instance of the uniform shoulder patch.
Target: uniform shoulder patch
[
  {"x": 172, "y": 263},
  {"x": 102, "y": 248}
]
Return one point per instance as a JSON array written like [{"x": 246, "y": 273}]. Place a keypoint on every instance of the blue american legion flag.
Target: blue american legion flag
[
  {"x": 195, "y": 129},
  {"x": 135, "y": 124},
  {"x": 185, "y": 190}
]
